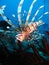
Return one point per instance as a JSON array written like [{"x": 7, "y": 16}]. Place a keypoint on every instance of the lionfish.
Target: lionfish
[{"x": 25, "y": 30}]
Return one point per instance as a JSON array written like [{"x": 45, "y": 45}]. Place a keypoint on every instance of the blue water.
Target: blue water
[{"x": 12, "y": 5}]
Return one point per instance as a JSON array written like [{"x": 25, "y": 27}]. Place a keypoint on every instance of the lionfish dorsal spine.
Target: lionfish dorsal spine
[
  {"x": 29, "y": 12},
  {"x": 19, "y": 11},
  {"x": 37, "y": 12}
]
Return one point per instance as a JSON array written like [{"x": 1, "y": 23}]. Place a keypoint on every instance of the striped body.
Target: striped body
[{"x": 29, "y": 29}]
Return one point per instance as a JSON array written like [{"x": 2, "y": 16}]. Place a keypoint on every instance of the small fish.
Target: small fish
[{"x": 13, "y": 15}]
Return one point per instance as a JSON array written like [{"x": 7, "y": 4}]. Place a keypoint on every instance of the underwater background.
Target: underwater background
[{"x": 16, "y": 13}]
